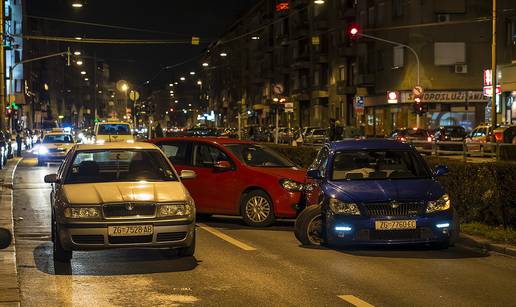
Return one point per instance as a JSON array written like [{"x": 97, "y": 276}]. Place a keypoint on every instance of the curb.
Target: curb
[
  {"x": 486, "y": 245},
  {"x": 10, "y": 294}
]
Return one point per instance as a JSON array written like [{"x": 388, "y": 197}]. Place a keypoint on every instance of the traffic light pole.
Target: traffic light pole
[{"x": 401, "y": 45}]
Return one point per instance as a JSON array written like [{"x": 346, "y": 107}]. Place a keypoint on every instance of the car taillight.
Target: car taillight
[
  {"x": 401, "y": 138},
  {"x": 429, "y": 139},
  {"x": 498, "y": 136}
]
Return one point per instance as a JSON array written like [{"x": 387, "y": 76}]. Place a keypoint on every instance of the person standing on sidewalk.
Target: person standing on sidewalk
[{"x": 18, "y": 143}]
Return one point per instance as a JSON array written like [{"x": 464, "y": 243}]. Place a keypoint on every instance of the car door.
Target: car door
[{"x": 216, "y": 189}]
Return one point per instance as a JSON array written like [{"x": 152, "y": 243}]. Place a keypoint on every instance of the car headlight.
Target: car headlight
[
  {"x": 42, "y": 150},
  {"x": 179, "y": 210},
  {"x": 344, "y": 208},
  {"x": 82, "y": 213},
  {"x": 291, "y": 185},
  {"x": 443, "y": 203}
]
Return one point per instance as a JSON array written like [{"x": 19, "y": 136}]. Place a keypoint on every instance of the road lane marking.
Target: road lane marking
[
  {"x": 226, "y": 238},
  {"x": 355, "y": 301}
]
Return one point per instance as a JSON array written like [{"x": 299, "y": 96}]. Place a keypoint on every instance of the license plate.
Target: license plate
[
  {"x": 395, "y": 225},
  {"x": 136, "y": 230}
]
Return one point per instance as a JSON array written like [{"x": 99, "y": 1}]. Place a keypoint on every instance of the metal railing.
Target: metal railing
[{"x": 466, "y": 149}]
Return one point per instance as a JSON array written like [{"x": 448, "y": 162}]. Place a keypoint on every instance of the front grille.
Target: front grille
[
  {"x": 171, "y": 236},
  {"x": 381, "y": 235},
  {"x": 394, "y": 209},
  {"x": 130, "y": 239},
  {"x": 88, "y": 239},
  {"x": 129, "y": 210}
]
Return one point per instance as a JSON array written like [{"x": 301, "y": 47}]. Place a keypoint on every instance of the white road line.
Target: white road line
[
  {"x": 355, "y": 301},
  {"x": 226, "y": 238}
]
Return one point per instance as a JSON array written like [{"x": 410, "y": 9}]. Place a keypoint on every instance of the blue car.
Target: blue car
[{"x": 375, "y": 192}]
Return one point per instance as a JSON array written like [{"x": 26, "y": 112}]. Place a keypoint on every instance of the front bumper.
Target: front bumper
[
  {"x": 94, "y": 235},
  {"x": 361, "y": 230}
]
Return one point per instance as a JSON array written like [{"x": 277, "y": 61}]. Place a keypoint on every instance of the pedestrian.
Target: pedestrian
[
  {"x": 18, "y": 143},
  {"x": 339, "y": 130},
  {"x": 331, "y": 130},
  {"x": 159, "y": 131}
]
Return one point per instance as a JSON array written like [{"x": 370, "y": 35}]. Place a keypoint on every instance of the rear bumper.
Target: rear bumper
[
  {"x": 361, "y": 230},
  {"x": 93, "y": 236}
]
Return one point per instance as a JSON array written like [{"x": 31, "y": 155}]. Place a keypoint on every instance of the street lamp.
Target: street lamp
[
  {"x": 205, "y": 64},
  {"x": 319, "y": 1},
  {"x": 77, "y": 4},
  {"x": 124, "y": 87},
  {"x": 83, "y": 72},
  {"x": 223, "y": 54},
  {"x": 79, "y": 62},
  {"x": 182, "y": 78},
  {"x": 192, "y": 73},
  {"x": 255, "y": 37},
  {"x": 171, "y": 84},
  {"x": 86, "y": 79},
  {"x": 77, "y": 53}
]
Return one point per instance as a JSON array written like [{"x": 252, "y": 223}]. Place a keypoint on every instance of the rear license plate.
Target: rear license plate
[
  {"x": 136, "y": 230},
  {"x": 395, "y": 225}
]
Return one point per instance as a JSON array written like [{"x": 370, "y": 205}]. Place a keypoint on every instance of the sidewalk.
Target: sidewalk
[
  {"x": 487, "y": 245},
  {"x": 9, "y": 286}
]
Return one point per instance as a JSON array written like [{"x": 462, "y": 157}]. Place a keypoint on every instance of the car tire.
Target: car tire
[
  {"x": 308, "y": 228},
  {"x": 60, "y": 254},
  {"x": 187, "y": 251},
  {"x": 256, "y": 209}
]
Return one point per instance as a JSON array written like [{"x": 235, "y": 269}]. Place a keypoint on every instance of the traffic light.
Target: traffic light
[
  {"x": 353, "y": 31},
  {"x": 8, "y": 110},
  {"x": 419, "y": 107}
]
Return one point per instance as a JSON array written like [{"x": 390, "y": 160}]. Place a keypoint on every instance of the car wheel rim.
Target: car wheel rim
[
  {"x": 258, "y": 209},
  {"x": 314, "y": 230}
]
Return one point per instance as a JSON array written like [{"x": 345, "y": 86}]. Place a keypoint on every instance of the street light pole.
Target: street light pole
[
  {"x": 493, "y": 76},
  {"x": 405, "y": 46},
  {"x": 2, "y": 68}
]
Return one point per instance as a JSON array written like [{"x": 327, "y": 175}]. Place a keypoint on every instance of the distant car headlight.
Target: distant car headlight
[
  {"x": 291, "y": 185},
  {"x": 441, "y": 204},
  {"x": 344, "y": 208},
  {"x": 180, "y": 210},
  {"x": 82, "y": 213},
  {"x": 42, "y": 150}
]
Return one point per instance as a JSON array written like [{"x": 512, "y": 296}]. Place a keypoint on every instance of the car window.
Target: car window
[
  {"x": 207, "y": 155},
  {"x": 114, "y": 129},
  {"x": 58, "y": 138},
  {"x": 258, "y": 156},
  {"x": 116, "y": 165},
  {"x": 177, "y": 152},
  {"x": 321, "y": 161},
  {"x": 377, "y": 165}
]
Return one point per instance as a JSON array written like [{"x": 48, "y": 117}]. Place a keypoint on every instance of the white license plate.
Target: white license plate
[
  {"x": 395, "y": 225},
  {"x": 136, "y": 230}
]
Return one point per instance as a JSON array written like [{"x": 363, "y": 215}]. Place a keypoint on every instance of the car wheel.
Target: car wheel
[
  {"x": 256, "y": 209},
  {"x": 60, "y": 254},
  {"x": 309, "y": 227},
  {"x": 188, "y": 251}
]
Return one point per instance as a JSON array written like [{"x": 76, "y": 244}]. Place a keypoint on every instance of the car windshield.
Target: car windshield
[
  {"x": 119, "y": 165},
  {"x": 114, "y": 129},
  {"x": 377, "y": 165},
  {"x": 319, "y": 132},
  {"x": 259, "y": 156},
  {"x": 58, "y": 138}
]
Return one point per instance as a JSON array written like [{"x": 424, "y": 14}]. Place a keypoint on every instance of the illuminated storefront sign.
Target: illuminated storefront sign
[{"x": 281, "y": 6}]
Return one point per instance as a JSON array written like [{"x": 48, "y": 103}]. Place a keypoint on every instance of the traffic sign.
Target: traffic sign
[
  {"x": 134, "y": 95},
  {"x": 417, "y": 90}
]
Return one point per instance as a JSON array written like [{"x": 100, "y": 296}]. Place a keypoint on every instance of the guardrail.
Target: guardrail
[{"x": 466, "y": 149}]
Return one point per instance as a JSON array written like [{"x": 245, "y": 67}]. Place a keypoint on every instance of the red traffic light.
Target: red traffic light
[
  {"x": 354, "y": 30},
  {"x": 417, "y": 100}
]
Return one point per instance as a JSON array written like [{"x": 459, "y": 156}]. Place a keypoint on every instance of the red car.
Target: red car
[{"x": 237, "y": 178}]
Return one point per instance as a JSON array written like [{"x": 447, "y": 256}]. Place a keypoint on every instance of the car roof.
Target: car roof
[
  {"x": 57, "y": 133},
  {"x": 116, "y": 145},
  {"x": 217, "y": 140},
  {"x": 368, "y": 144}
]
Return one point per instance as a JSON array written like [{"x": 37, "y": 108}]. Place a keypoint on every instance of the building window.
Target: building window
[
  {"x": 371, "y": 16},
  {"x": 342, "y": 73},
  {"x": 398, "y": 57},
  {"x": 397, "y": 8},
  {"x": 446, "y": 54}
]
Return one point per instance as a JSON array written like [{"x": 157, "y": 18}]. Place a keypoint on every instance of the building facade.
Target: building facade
[{"x": 301, "y": 52}]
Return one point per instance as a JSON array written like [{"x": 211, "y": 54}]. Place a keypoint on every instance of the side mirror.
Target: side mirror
[
  {"x": 222, "y": 165},
  {"x": 440, "y": 170},
  {"x": 314, "y": 174},
  {"x": 5, "y": 238},
  {"x": 187, "y": 174},
  {"x": 51, "y": 178}
]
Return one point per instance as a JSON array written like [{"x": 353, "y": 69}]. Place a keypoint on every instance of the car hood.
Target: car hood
[
  {"x": 363, "y": 191},
  {"x": 112, "y": 192},
  {"x": 294, "y": 173}
]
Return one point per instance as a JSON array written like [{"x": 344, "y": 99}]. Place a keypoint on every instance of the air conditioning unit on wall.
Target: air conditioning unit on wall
[{"x": 461, "y": 68}]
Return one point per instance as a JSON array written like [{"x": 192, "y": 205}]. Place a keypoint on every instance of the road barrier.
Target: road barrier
[{"x": 466, "y": 149}]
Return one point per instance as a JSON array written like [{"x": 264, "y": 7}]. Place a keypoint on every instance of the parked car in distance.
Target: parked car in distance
[
  {"x": 54, "y": 147},
  {"x": 449, "y": 134},
  {"x": 120, "y": 195},
  {"x": 411, "y": 134},
  {"x": 375, "y": 192},
  {"x": 316, "y": 136},
  {"x": 300, "y": 135},
  {"x": 481, "y": 134},
  {"x": 237, "y": 178},
  {"x": 505, "y": 134}
]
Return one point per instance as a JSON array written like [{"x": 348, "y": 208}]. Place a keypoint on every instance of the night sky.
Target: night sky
[{"x": 179, "y": 19}]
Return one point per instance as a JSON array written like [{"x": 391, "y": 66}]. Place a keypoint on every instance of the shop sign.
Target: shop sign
[{"x": 446, "y": 97}]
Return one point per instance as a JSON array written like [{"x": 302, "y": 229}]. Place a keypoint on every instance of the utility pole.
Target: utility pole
[
  {"x": 2, "y": 68},
  {"x": 493, "y": 68}
]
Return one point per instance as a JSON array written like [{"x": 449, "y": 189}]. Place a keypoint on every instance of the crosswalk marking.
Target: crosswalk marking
[{"x": 355, "y": 301}]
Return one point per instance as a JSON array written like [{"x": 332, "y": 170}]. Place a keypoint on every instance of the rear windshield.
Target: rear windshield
[
  {"x": 114, "y": 129},
  {"x": 119, "y": 165},
  {"x": 58, "y": 138},
  {"x": 377, "y": 165}
]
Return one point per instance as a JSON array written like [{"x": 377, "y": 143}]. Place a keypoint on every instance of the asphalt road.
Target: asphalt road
[{"x": 235, "y": 265}]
